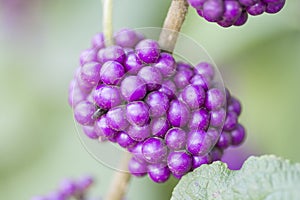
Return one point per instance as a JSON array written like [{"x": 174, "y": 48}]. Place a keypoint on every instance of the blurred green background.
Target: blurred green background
[{"x": 40, "y": 42}]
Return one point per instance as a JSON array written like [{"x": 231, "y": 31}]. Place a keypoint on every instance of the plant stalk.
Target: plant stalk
[{"x": 107, "y": 22}]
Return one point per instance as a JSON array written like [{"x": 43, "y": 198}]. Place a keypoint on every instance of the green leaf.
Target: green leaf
[{"x": 266, "y": 177}]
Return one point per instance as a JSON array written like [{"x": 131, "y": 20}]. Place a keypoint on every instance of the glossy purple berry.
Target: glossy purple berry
[
  {"x": 111, "y": 53},
  {"x": 151, "y": 76},
  {"x": 235, "y": 106},
  {"x": 225, "y": 23},
  {"x": 183, "y": 66},
  {"x": 182, "y": 79},
  {"x": 159, "y": 126},
  {"x": 213, "y": 10},
  {"x": 148, "y": 51},
  {"x": 176, "y": 138},
  {"x": 257, "y": 9},
  {"x": 133, "y": 88},
  {"x": 107, "y": 96},
  {"x": 159, "y": 173},
  {"x": 201, "y": 81},
  {"x": 205, "y": 69},
  {"x": 76, "y": 95},
  {"x": 111, "y": 72},
  {"x": 137, "y": 113},
  {"x": 178, "y": 114},
  {"x": 242, "y": 19},
  {"x": 217, "y": 117},
  {"x": 124, "y": 140},
  {"x": 83, "y": 113},
  {"x": 88, "y": 55},
  {"x": 90, "y": 72},
  {"x": 224, "y": 140},
  {"x": 238, "y": 135},
  {"x": 200, "y": 160},
  {"x": 196, "y": 3},
  {"x": 90, "y": 132},
  {"x": 154, "y": 150},
  {"x": 166, "y": 64},
  {"x": 126, "y": 38},
  {"x": 193, "y": 96},
  {"x": 84, "y": 86},
  {"x": 233, "y": 11},
  {"x": 116, "y": 118},
  {"x": 198, "y": 144},
  {"x": 248, "y": 3},
  {"x": 179, "y": 162},
  {"x": 199, "y": 120},
  {"x": 139, "y": 133},
  {"x": 275, "y": 7},
  {"x": 98, "y": 41},
  {"x": 132, "y": 64},
  {"x": 158, "y": 103},
  {"x": 231, "y": 121},
  {"x": 137, "y": 168},
  {"x": 136, "y": 151},
  {"x": 103, "y": 129},
  {"x": 216, "y": 154},
  {"x": 215, "y": 99}
]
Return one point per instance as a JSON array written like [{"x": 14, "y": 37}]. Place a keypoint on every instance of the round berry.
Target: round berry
[
  {"x": 158, "y": 103},
  {"x": 90, "y": 73},
  {"x": 126, "y": 38},
  {"x": 179, "y": 162},
  {"x": 102, "y": 128},
  {"x": 213, "y": 10},
  {"x": 178, "y": 114},
  {"x": 235, "y": 106},
  {"x": 257, "y": 9},
  {"x": 216, "y": 154},
  {"x": 139, "y": 133},
  {"x": 205, "y": 69},
  {"x": 224, "y": 140},
  {"x": 200, "y": 80},
  {"x": 98, "y": 41},
  {"x": 137, "y": 113},
  {"x": 116, "y": 118},
  {"x": 137, "y": 168},
  {"x": 232, "y": 12},
  {"x": 159, "y": 173},
  {"x": 196, "y": 3},
  {"x": 182, "y": 66},
  {"x": 199, "y": 120},
  {"x": 124, "y": 140},
  {"x": 197, "y": 143},
  {"x": 136, "y": 151},
  {"x": 242, "y": 19},
  {"x": 166, "y": 64},
  {"x": 148, "y": 51},
  {"x": 200, "y": 160},
  {"x": 176, "y": 138},
  {"x": 111, "y": 53},
  {"x": 238, "y": 135},
  {"x": 88, "y": 55},
  {"x": 215, "y": 99},
  {"x": 275, "y": 7},
  {"x": 182, "y": 79},
  {"x": 83, "y": 113},
  {"x": 133, "y": 88},
  {"x": 132, "y": 64},
  {"x": 154, "y": 150},
  {"x": 151, "y": 76},
  {"x": 107, "y": 96},
  {"x": 90, "y": 132},
  {"x": 231, "y": 121},
  {"x": 217, "y": 117},
  {"x": 193, "y": 96},
  {"x": 111, "y": 72},
  {"x": 248, "y": 3},
  {"x": 159, "y": 126},
  {"x": 76, "y": 95}
]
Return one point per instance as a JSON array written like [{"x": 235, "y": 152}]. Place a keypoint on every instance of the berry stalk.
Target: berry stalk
[
  {"x": 107, "y": 22},
  {"x": 172, "y": 24}
]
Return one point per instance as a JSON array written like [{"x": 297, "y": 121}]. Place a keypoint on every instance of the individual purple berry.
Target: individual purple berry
[
  {"x": 213, "y": 10},
  {"x": 193, "y": 96},
  {"x": 225, "y": 23},
  {"x": 132, "y": 64},
  {"x": 98, "y": 41},
  {"x": 199, "y": 120},
  {"x": 111, "y": 53},
  {"x": 90, "y": 132},
  {"x": 126, "y": 38},
  {"x": 90, "y": 73},
  {"x": 183, "y": 66},
  {"x": 154, "y": 150},
  {"x": 215, "y": 99},
  {"x": 88, "y": 55},
  {"x": 76, "y": 95},
  {"x": 248, "y": 3},
  {"x": 201, "y": 81},
  {"x": 124, "y": 140},
  {"x": 200, "y": 160},
  {"x": 158, "y": 103},
  {"x": 274, "y": 7},
  {"x": 136, "y": 151},
  {"x": 238, "y": 135},
  {"x": 159, "y": 173},
  {"x": 257, "y": 9},
  {"x": 182, "y": 79},
  {"x": 133, "y": 88},
  {"x": 116, "y": 118},
  {"x": 224, "y": 140},
  {"x": 159, "y": 126},
  {"x": 176, "y": 138},
  {"x": 148, "y": 51},
  {"x": 111, "y": 72},
  {"x": 84, "y": 86},
  {"x": 198, "y": 144},
  {"x": 216, "y": 154},
  {"x": 217, "y": 117},
  {"x": 166, "y": 64},
  {"x": 102, "y": 128},
  {"x": 231, "y": 121},
  {"x": 137, "y": 168},
  {"x": 179, "y": 162},
  {"x": 83, "y": 113},
  {"x": 139, "y": 133},
  {"x": 232, "y": 12},
  {"x": 196, "y": 3},
  {"x": 235, "y": 106},
  {"x": 151, "y": 76},
  {"x": 242, "y": 19},
  {"x": 137, "y": 113},
  {"x": 107, "y": 96},
  {"x": 178, "y": 113},
  {"x": 205, "y": 69}
]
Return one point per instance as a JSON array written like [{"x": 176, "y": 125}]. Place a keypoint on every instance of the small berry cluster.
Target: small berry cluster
[
  {"x": 234, "y": 12},
  {"x": 168, "y": 114},
  {"x": 69, "y": 189}
]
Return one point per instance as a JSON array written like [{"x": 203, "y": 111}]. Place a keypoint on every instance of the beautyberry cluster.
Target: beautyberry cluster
[
  {"x": 69, "y": 189},
  {"x": 234, "y": 12},
  {"x": 171, "y": 116}
]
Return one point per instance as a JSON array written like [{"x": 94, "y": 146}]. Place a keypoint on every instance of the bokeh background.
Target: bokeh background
[{"x": 40, "y": 42}]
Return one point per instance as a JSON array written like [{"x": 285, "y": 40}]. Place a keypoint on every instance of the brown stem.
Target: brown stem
[
  {"x": 172, "y": 25},
  {"x": 120, "y": 181}
]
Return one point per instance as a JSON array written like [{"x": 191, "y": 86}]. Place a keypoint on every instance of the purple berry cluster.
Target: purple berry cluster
[
  {"x": 171, "y": 116},
  {"x": 234, "y": 12},
  {"x": 69, "y": 189}
]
